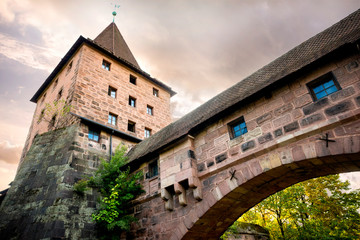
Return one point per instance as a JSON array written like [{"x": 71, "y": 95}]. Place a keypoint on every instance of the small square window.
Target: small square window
[
  {"x": 147, "y": 132},
  {"x": 155, "y": 92},
  {"x": 56, "y": 83},
  {"x": 153, "y": 169},
  {"x": 131, "y": 126},
  {"x": 94, "y": 135},
  {"x": 59, "y": 94},
  {"x": 112, "y": 92},
  {"x": 149, "y": 110},
  {"x": 133, "y": 79},
  {"x": 41, "y": 116},
  {"x": 52, "y": 122},
  {"x": 106, "y": 65},
  {"x": 323, "y": 86},
  {"x": 237, "y": 127},
  {"x": 43, "y": 98},
  {"x": 112, "y": 119},
  {"x": 69, "y": 67},
  {"x": 132, "y": 101}
]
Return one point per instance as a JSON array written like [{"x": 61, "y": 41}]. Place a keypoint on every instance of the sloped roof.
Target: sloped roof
[
  {"x": 342, "y": 33},
  {"x": 81, "y": 40},
  {"x": 112, "y": 40}
]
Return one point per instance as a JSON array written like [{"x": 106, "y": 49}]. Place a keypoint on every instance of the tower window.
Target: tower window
[
  {"x": 131, "y": 126},
  {"x": 59, "y": 94},
  {"x": 112, "y": 119},
  {"x": 132, "y": 101},
  {"x": 237, "y": 128},
  {"x": 94, "y": 135},
  {"x": 69, "y": 67},
  {"x": 112, "y": 92},
  {"x": 323, "y": 86},
  {"x": 41, "y": 116},
  {"x": 155, "y": 92},
  {"x": 132, "y": 79},
  {"x": 56, "y": 83},
  {"x": 106, "y": 65},
  {"x": 149, "y": 110},
  {"x": 52, "y": 122},
  {"x": 43, "y": 98},
  {"x": 147, "y": 132},
  {"x": 153, "y": 169}
]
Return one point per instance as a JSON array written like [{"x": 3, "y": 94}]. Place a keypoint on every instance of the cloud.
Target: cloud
[
  {"x": 28, "y": 54},
  {"x": 7, "y": 173},
  {"x": 10, "y": 153}
]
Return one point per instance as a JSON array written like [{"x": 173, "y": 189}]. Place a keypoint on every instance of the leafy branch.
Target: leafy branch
[{"x": 117, "y": 188}]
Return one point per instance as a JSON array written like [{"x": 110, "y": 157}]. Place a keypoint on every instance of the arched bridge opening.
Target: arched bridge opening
[{"x": 235, "y": 190}]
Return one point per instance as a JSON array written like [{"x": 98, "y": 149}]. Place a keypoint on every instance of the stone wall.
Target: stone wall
[
  {"x": 208, "y": 179},
  {"x": 41, "y": 203},
  {"x": 65, "y": 80},
  {"x": 91, "y": 99},
  {"x": 286, "y": 113}
]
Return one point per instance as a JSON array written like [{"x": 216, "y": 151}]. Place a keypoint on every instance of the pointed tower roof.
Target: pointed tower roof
[{"x": 112, "y": 40}]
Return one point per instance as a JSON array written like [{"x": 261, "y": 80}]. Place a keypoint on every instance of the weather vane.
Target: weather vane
[{"x": 114, "y": 12}]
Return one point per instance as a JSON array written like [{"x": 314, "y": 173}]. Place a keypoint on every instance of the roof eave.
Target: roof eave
[
  {"x": 73, "y": 50},
  {"x": 58, "y": 68}
]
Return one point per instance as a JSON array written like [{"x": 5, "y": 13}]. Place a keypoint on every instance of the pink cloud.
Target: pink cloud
[{"x": 10, "y": 153}]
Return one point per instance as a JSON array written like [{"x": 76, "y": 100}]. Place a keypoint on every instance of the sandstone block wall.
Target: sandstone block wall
[
  {"x": 282, "y": 147},
  {"x": 65, "y": 80},
  {"x": 91, "y": 99},
  {"x": 287, "y": 116}
]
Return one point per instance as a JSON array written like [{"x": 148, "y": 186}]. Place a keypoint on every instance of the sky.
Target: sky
[{"x": 197, "y": 47}]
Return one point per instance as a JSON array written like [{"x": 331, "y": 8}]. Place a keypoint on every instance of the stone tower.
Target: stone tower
[
  {"x": 112, "y": 101},
  {"x": 110, "y": 95}
]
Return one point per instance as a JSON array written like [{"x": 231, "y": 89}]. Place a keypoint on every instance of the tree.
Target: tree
[
  {"x": 55, "y": 113},
  {"x": 321, "y": 208},
  {"x": 117, "y": 188}
]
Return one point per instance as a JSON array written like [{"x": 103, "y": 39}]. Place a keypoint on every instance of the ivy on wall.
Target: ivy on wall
[{"x": 117, "y": 188}]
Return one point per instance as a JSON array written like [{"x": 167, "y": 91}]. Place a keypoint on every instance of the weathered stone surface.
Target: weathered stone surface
[
  {"x": 50, "y": 203},
  {"x": 311, "y": 119},
  {"x": 263, "y": 118},
  {"x": 210, "y": 163},
  {"x": 344, "y": 93},
  {"x": 352, "y": 66},
  {"x": 283, "y": 109},
  {"x": 291, "y": 127},
  {"x": 338, "y": 108},
  {"x": 220, "y": 158},
  {"x": 316, "y": 106},
  {"x": 248, "y": 145},
  {"x": 201, "y": 167},
  {"x": 278, "y": 132},
  {"x": 265, "y": 138}
]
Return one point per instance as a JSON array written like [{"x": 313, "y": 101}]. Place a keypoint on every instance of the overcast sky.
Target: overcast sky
[{"x": 197, "y": 47}]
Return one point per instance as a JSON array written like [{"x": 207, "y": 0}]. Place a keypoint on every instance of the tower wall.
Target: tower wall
[
  {"x": 41, "y": 203},
  {"x": 65, "y": 82},
  {"x": 92, "y": 101}
]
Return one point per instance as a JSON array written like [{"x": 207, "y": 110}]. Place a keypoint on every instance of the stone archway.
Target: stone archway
[{"x": 237, "y": 189}]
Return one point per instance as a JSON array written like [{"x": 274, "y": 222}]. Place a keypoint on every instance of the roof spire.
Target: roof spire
[
  {"x": 114, "y": 12},
  {"x": 112, "y": 40}
]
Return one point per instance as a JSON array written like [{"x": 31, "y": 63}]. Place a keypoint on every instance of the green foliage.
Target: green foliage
[
  {"x": 54, "y": 113},
  {"x": 321, "y": 208},
  {"x": 81, "y": 186},
  {"x": 117, "y": 188}
]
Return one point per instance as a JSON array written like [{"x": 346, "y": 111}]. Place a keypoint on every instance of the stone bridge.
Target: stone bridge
[{"x": 295, "y": 119}]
